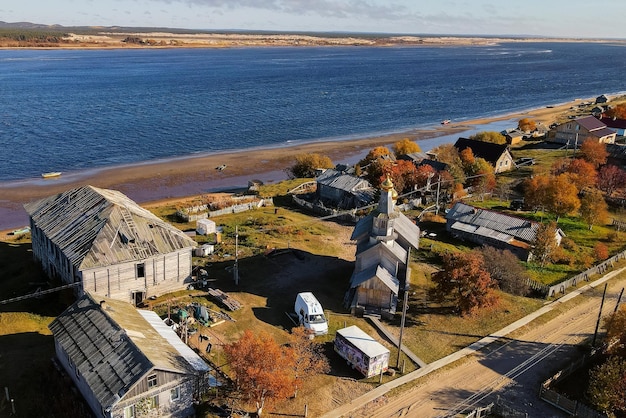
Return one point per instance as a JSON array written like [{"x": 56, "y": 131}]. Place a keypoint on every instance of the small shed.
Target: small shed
[
  {"x": 205, "y": 227},
  {"x": 204, "y": 250}
]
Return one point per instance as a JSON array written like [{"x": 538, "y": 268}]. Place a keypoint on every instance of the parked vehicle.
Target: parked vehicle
[
  {"x": 361, "y": 351},
  {"x": 310, "y": 313}
]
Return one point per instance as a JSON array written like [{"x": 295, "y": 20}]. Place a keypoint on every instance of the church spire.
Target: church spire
[{"x": 388, "y": 196}]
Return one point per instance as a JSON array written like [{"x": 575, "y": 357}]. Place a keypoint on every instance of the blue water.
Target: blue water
[{"x": 67, "y": 110}]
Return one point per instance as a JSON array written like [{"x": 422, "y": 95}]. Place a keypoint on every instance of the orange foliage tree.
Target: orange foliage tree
[
  {"x": 306, "y": 164},
  {"x": 583, "y": 173},
  {"x": 423, "y": 173},
  {"x": 405, "y": 146},
  {"x": 618, "y": 111},
  {"x": 593, "y": 208},
  {"x": 465, "y": 279},
  {"x": 545, "y": 244},
  {"x": 562, "y": 196},
  {"x": 526, "y": 125},
  {"x": 535, "y": 191},
  {"x": 263, "y": 369},
  {"x": 403, "y": 174},
  {"x": 594, "y": 152}
]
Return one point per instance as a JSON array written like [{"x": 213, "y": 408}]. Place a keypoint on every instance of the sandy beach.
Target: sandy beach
[{"x": 150, "y": 182}]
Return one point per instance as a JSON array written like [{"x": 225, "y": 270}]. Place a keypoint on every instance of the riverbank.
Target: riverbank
[{"x": 194, "y": 175}]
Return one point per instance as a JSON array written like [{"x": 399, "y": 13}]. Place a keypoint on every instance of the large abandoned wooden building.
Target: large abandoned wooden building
[
  {"x": 127, "y": 362},
  {"x": 110, "y": 245},
  {"x": 383, "y": 240}
]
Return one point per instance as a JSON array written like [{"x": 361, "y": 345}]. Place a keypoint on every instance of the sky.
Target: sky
[{"x": 554, "y": 18}]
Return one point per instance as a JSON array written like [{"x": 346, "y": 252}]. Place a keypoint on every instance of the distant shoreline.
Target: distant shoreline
[{"x": 108, "y": 39}]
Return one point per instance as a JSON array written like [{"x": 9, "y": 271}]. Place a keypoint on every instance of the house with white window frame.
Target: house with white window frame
[{"x": 127, "y": 362}]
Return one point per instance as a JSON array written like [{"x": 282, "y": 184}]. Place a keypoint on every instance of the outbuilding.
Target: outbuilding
[
  {"x": 361, "y": 351},
  {"x": 205, "y": 226}
]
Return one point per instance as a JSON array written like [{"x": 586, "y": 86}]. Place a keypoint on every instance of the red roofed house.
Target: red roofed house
[{"x": 576, "y": 131}]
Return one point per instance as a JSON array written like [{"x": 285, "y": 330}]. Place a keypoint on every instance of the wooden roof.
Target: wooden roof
[
  {"x": 113, "y": 346},
  {"x": 96, "y": 227}
]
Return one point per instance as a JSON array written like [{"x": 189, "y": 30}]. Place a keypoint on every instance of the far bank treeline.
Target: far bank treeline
[{"x": 31, "y": 37}]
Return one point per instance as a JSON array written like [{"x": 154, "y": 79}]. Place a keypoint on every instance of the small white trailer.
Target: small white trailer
[{"x": 361, "y": 351}]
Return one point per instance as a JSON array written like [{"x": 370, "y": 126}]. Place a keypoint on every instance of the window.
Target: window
[
  {"x": 152, "y": 380},
  {"x": 129, "y": 411},
  {"x": 154, "y": 402},
  {"x": 141, "y": 270},
  {"x": 175, "y": 394}
]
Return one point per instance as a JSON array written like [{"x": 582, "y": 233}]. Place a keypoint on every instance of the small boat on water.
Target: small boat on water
[
  {"x": 445, "y": 121},
  {"x": 21, "y": 231},
  {"x": 51, "y": 174}
]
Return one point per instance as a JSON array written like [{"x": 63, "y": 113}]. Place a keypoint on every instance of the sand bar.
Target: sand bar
[{"x": 149, "y": 182}]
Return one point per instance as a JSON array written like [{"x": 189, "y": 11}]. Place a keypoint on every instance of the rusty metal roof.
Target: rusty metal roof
[
  {"x": 96, "y": 227},
  {"x": 494, "y": 224},
  {"x": 112, "y": 347}
]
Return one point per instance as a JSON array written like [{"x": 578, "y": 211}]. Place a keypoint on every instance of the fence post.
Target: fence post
[{"x": 306, "y": 410}]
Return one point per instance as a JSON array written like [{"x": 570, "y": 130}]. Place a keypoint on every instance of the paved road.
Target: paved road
[{"x": 509, "y": 368}]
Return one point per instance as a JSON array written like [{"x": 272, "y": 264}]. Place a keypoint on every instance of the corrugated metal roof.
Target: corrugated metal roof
[
  {"x": 342, "y": 181},
  {"x": 519, "y": 228},
  {"x": 113, "y": 347},
  {"x": 96, "y": 227},
  {"x": 368, "y": 345},
  {"x": 602, "y": 132}
]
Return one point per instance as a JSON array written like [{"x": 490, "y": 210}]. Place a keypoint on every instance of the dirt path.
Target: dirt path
[{"x": 511, "y": 369}]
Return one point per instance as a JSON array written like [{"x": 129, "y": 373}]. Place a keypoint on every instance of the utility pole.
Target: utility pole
[
  {"x": 404, "y": 306},
  {"x": 595, "y": 334},
  {"x": 236, "y": 266},
  {"x": 438, "y": 188}
]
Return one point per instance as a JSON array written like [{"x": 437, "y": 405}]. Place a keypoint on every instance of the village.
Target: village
[{"x": 146, "y": 310}]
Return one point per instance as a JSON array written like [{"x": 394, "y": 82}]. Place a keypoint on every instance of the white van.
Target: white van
[{"x": 310, "y": 313}]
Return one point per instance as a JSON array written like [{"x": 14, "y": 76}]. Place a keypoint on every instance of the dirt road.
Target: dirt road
[{"x": 510, "y": 369}]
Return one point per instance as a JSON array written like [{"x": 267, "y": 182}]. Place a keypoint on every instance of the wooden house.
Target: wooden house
[
  {"x": 127, "y": 362},
  {"x": 615, "y": 124},
  {"x": 514, "y": 136},
  {"x": 487, "y": 227},
  {"x": 384, "y": 239},
  {"x": 108, "y": 245},
  {"x": 345, "y": 191},
  {"x": 498, "y": 155},
  {"x": 576, "y": 131}
]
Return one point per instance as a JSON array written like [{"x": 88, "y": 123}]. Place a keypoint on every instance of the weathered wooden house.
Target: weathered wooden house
[
  {"x": 615, "y": 124},
  {"x": 108, "y": 244},
  {"x": 127, "y": 362},
  {"x": 487, "y": 227},
  {"x": 498, "y": 155},
  {"x": 383, "y": 239},
  {"x": 574, "y": 132},
  {"x": 345, "y": 191}
]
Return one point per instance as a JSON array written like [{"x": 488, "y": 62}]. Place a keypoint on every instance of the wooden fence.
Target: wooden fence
[
  {"x": 202, "y": 211},
  {"x": 585, "y": 275},
  {"x": 562, "y": 402}
]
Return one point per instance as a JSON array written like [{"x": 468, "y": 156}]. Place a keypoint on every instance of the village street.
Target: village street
[{"x": 510, "y": 369}]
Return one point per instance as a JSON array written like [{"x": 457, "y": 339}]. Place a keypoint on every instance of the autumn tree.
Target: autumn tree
[
  {"x": 405, "y": 146},
  {"x": 448, "y": 154},
  {"x": 618, "y": 111},
  {"x": 615, "y": 325},
  {"x": 465, "y": 279},
  {"x": 583, "y": 173},
  {"x": 594, "y": 152},
  {"x": 611, "y": 178},
  {"x": 263, "y": 369},
  {"x": 593, "y": 208},
  {"x": 535, "y": 191},
  {"x": 306, "y": 164},
  {"x": 377, "y": 153},
  {"x": 506, "y": 269},
  {"x": 562, "y": 196},
  {"x": 376, "y": 164},
  {"x": 483, "y": 177},
  {"x": 545, "y": 243},
  {"x": 308, "y": 357},
  {"x": 526, "y": 125},
  {"x": 422, "y": 174},
  {"x": 403, "y": 174},
  {"x": 489, "y": 136},
  {"x": 600, "y": 251},
  {"x": 607, "y": 385}
]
